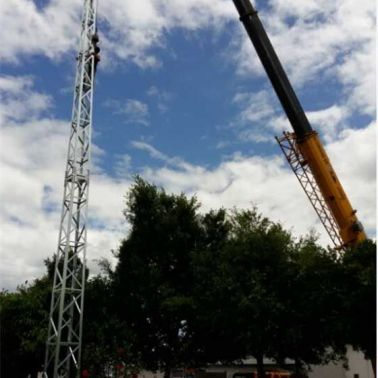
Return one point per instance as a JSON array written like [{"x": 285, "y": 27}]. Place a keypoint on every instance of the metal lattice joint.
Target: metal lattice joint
[
  {"x": 288, "y": 144},
  {"x": 63, "y": 345}
]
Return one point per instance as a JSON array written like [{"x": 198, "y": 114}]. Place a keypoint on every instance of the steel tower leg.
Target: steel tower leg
[{"x": 63, "y": 345}]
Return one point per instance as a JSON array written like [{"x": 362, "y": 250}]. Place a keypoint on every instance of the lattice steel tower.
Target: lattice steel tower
[{"x": 63, "y": 345}]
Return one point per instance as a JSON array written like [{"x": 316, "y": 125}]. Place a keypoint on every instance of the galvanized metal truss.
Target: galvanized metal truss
[
  {"x": 288, "y": 144},
  {"x": 63, "y": 346}
]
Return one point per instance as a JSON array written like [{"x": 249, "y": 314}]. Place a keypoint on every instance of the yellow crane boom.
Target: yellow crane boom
[{"x": 318, "y": 178}]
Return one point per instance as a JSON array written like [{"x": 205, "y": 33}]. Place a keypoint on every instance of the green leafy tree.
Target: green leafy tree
[
  {"x": 313, "y": 333},
  {"x": 258, "y": 293},
  {"x": 191, "y": 289},
  {"x": 205, "y": 330},
  {"x": 152, "y": 280},
  {"x": 104, "y": 335},
  {"x": 24, "y": 319},
  {"x": 251, "y": 285},
  {"x": 196, "y": 289},
  {"x": 360, "y": 293}
]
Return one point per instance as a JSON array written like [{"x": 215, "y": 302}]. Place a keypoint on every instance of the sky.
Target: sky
[{"x": 182, "y": 100}]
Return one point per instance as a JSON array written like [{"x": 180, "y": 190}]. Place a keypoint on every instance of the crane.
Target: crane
[
  {"x": 303, "y": 149},
  {"x": 63, "y": 345}
]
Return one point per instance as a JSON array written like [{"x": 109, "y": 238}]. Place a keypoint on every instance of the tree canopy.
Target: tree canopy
[{"x": 192, "y": 288}]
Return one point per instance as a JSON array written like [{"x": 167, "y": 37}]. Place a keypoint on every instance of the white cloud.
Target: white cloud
[
  {"x": 268, "y": 183},
  {"x": 132, "y": 111},
  {"x": 141, "y": 26},
  {"x": 32, "y": 158},
  {"x": 243, "y": 182},
  {"x": 132, "y": 27},
  {"x": 18, "y": 100},
  {"x": 150, "y": 149},
  {"x": 256, "y": 106},
  {"x": 123, "y": 166},
  {"x": 259, "y": 115},
  {"x": 357, "y": 73},
  {"x": 162, "y": 97},
  {"x": 32, "y": 162},
  {"x": 257, "y": 110},
  {"x": 329, "y": 122},
  {"x": 328, "y": 38},
  {"x": 354, "y": 159},
  {"x": 156, "y": 154},
  {"x": 51, "y": 31},
  {"x": 335, "y": 39}
]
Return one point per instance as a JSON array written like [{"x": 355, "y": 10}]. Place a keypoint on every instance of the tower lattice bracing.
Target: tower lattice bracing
[{"x": 63, "y": 346}]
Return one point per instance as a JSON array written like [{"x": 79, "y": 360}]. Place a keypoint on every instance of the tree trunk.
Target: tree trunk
[
  {"x": 167, "y": 372},
  {"x": 260, "y": 366}
]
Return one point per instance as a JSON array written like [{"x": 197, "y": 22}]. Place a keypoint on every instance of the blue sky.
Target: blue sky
[{"x": 181, "y": 99}]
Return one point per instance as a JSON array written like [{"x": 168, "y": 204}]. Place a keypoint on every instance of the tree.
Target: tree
[
  {"x": 207, "y": 323},
  {"x": 104, "y": 334},
  {"x": 196, "y": 289},
  {"x": 191, "y": 289},
  {"x": 259, "y": 293},
  {"x": 360, "y": 293},
  {"x": 24, "y": 319},
  {"x": 250, "y": 287},
  {"x": 313, "y": 333},
  {"x": 152, "y": 280}
]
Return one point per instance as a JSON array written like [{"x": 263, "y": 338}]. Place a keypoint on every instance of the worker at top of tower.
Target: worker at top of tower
[
  {"x": 96, "y": 50},
  {"x": 95, "y": 38}
]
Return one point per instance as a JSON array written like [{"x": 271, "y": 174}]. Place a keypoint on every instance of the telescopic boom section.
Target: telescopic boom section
[{"x": 307, "y": 141}]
